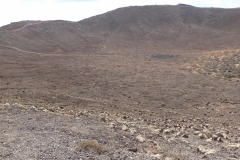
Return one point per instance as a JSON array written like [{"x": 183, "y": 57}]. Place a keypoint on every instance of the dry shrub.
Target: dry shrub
[
  {"x": 172, "y": 156},
  {"x": 92, "y": 145}
]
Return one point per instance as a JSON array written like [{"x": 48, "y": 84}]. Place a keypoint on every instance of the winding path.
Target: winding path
[
  {"x": 15, "y": 48},
  {"x": 26, "y": 25}
]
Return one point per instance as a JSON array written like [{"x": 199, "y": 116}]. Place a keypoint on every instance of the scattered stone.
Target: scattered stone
[
  {"x": 227, "y": 132},
  {"x": 111, "y": 125},
  {"x": 234, "y": 145},
  {"x": 207, "y": 133},
  {"x": 124, "y": 117},
  {"x": 140, "y": 139},
  {"x": 206, "y": 150},
  {"x": 133, "y": 149},
  {"x": 132, "y": 130},
  {"x": 104, "y": 119},
  {"x": 209, "y": 140},
  {"x": 185, "y": 135},
  {"x": 196, "y": 132},
  {"x": 203, "y": 136},
  {"x": 169, "y": 131},
  {"x": 179, "y": 134},
  {"x": 234, "y": 156},
  {"x": 207, "y": 125},
  {"x": 223, "y": 135},
  {"x": 205, "y": 156},
  {"x": 156, "y": 131},
  {"x": 158, "y": 156},
  {"x": 219, "y": 139},
  {"x": 124, "y": 128},
  {"x": 214, "y": 137}
]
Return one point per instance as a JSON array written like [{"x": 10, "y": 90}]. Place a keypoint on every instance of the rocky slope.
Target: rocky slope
[{"x": 149, "y": 27}]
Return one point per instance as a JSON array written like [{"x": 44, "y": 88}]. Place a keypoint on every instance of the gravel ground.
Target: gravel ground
[
  {"x": 32, "y": 134},
  {"x": 29, "y": 134}
]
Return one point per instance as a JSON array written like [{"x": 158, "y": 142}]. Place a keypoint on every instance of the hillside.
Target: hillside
[{"x": 149, "y": 27}]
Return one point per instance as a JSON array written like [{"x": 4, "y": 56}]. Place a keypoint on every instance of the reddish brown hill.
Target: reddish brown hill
[{"x": 167, "y": 27}]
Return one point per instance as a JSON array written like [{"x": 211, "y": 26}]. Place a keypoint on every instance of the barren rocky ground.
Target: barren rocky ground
[{"x": 96, "y": 90}]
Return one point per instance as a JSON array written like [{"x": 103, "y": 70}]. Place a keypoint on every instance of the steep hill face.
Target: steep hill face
[
  {"x": 175, "y": 17},
  {"x": 168, "y": 27},
  {"x": 153, "y": 28}
]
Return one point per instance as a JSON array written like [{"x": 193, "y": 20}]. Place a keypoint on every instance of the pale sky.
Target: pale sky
[{"x": 75, "y": 10}]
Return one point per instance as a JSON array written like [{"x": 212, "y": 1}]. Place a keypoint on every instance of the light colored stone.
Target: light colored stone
[
  {"x": 140, "y": 139},
  {"x": 156, "y": 131},
  {"x": 196, "y": 132},
  {"x": 203, "y": 136},
  {"x": 111, "y": 125},
  {"x": 219, "y": 139},
  {"x": 209, "y": 140},
  {"x": 179, "y": 133},
  {"x": 169, "y": 131},
  {"x": 223, "y": 135},
  {"x": 169, "y": 158},
  {"x": 158, "y": 156},
  {"x": 234, "y": 145},
  {"x": 124, "y": 128},
  {"x": 132, "y": 130},
  {"x": 207, "y": 133},
  {"x": 206, "y": 150}
]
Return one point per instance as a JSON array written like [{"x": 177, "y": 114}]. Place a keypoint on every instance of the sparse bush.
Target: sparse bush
[
  {"x": 92, "y": 145},
  {"x": 172, "y": 156}
]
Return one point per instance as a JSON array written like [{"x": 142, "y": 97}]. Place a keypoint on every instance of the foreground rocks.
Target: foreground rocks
[
  {"x": 206, "y": 150},
  {"x": 32, "y": 133}
]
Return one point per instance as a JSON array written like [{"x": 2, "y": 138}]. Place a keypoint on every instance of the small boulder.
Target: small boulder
[
  {"x": 219, "y": 139},
  {"x": 185, "y": 135},
  {"x": 207, "y": 133},
  {"x": 214, "y": 137},
  {"x": 205, "y": 150},
  {"x": 223, "y": 135},
  {"x": 234, "y": 145},
  {"x": 196, "y": 132},
  {"x": 133, "y": 149},
  {"x": 169, "y": 131},
  {"x": 209, "y": 140},
  {"x": 124, "y": 128},
  {"x": 132, "y": 130},
  {"x": 140, "y": 139}
]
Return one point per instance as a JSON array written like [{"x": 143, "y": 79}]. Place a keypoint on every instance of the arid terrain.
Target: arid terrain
[{"x": 150, "y": 82}]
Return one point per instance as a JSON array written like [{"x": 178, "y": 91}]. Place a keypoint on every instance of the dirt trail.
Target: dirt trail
[
  {"x": 26, "y": 25},
  {"x": 15, "y": 48}
]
